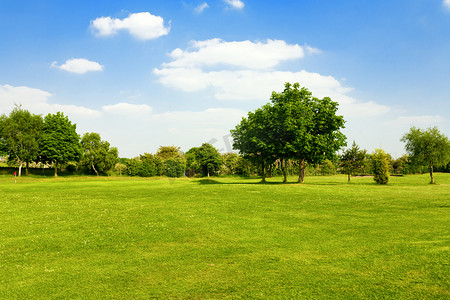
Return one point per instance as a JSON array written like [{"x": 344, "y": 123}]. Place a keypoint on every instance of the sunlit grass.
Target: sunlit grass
[{"x": 84, "y": 237}]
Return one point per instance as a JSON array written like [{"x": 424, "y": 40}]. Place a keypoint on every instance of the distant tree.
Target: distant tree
[
  {"x": 380, "y": 166},
  {"x": 151, "y": 165},
  {"x": 60, "y": 142},
  {"x": 20, "y": 134},
  {"x": 173, "y": 160},
  {"x": 174, "y": 167},
  {"x": 427, "y": 147},
  {"x": 351, "y": 160},
  {"x": 120, "y": 168},
  {"x": 166, "y": 152},
  {"x": 97, "y": 154},
  {"x": 208, "y": 158},
  {"x": 192, "y": 165},
  {"x": 401, "y": 165}
]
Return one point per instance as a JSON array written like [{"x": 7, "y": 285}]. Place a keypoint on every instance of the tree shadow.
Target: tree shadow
[{"x": 214, "y": 181}]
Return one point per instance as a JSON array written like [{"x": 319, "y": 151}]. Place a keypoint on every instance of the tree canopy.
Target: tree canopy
[
  {"x": 60, "y": 142},
  {"x": 428, "y": 147},
  {"x": 20, "y": 134},
  {"x": 295, "y": 125},
  {"x": 97, "y": 154},
  {"x": 208, "y": 158}
]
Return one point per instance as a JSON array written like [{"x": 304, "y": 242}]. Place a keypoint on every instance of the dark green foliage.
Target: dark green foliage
[
  {"x": 20, "y": 135},
  {"x": 380, "y": 166},
  {"x": 98, "y": 156},
  {"x": 352, "y": 160},
  {"x": 427, "y": 147},
  {"x": 208, "y": 158},
  {"x": 174, "y": 167},
  {"x": 60, "y": 142},
  {"x": 295, "y": 126},
  {"x": 254, "y": 138}
]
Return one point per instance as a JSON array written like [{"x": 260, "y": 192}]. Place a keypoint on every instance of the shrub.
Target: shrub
[
  {"x": 174, "y": 167},
  {"x": 380, "y": 166}
]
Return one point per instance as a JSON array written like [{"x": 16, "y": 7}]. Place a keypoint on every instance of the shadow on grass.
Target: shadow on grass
[
  {"x": 253, "y": 181},
  {"x": 213, "y": 181}
]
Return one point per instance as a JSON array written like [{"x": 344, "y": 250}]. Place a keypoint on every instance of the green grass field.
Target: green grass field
[{"x": 124, "y": 238}]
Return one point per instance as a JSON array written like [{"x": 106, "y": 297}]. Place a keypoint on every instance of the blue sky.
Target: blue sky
[{"x": 150, "y": 73}]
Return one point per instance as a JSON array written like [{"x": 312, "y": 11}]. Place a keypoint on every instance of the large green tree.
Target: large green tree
[
  {"x": 98, "y": 155},
  {"x": 308, "y": 129},
  {"x": 20, "y": 133},
  {"x": 296, "y": 126},
  {"x": 427, "y": 147},
  {"x": 60, "y": 142}
]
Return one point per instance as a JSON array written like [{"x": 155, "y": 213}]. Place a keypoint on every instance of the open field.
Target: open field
[{"x": 85, "y": 237}]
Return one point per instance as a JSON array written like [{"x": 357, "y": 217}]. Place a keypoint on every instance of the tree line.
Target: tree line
[
  {"x": 295, "y": 126},
  {"x": 295, "y": 133},
  {"x": 53, "y": 141}
]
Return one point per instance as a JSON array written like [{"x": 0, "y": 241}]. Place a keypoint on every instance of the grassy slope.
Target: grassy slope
[{"x": 140, "y": 238}]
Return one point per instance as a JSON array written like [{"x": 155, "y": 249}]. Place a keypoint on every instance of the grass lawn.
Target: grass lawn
[{"x": 124, "y": 238}]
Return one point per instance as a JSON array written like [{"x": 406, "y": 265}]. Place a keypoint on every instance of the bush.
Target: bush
[
  {"x": 380, "y": 166},
  {"x": 174, "y": 167}
]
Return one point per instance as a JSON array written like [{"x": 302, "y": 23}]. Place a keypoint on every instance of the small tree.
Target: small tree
[
  {"x": 380, "y": 166},
  {"x": 97, "y": 154},
  {"x": 208, "y": 158},
  {"x": 351, "y": 160},
  {"x": 427, "y": 147}
]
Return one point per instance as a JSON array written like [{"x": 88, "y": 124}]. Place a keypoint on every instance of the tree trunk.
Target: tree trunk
[
  {"x": 56, "y": 169},
  {"x": 208, "y": 171},
  {"x": 431, "y": 174},
  {"x": 348, "y": 177},
  {"x": 26, "y": 170},
  {"x": 301, "y": 171},
  {"x": 20, "y": 169},
  {"x": 283, "y": 169},
  {"x": 263, "y": 171},
  {"x": 93, "y": 167}
]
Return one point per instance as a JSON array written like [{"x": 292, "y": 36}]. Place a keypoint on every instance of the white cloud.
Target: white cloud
[
  {"x": 79, "y": 66},
  {"x": 37, "y": 101},
  {"x": 143, "y": 26},
  {"x": 246, "y": 71},
  {"x": 447, "y": 3},
  {"x": 258, "y": 85},
  {"x": 128, "y": 109},
  {"x": 236, "y": 4},
  {"x": 405, "y": 122},
  {"x": 244, "y": 54},
  {"x": 201, "y": 7}
]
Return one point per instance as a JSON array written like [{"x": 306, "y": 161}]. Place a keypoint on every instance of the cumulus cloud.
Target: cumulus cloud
[
  {"x": 79, "y": 66},
  {"x": 201, "y": 7},
  {"x": 247, "y": 71},
  {"x": 37, "y": 101},
  {"x": 243, "y": 54},
  {"x": 235, "y": 4},
  {"x": 128, "y": 109},
  {"x": 143, "y": 26}
]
